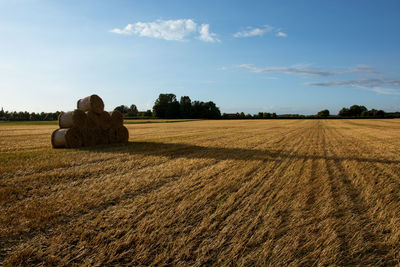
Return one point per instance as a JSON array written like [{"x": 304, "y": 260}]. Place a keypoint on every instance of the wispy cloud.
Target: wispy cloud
[
  {"x": 259, "y": 31},
  {"x": 310, "y": 71},
  {"x": 302, "y": 70},
  {"x": 362, "y": 69},
  {"x": 281, "y": 34},
  {"x": 251, "y": 31},
  {"x": 176, "y": 30},
  {"x": 205, "y": 34},
  {"x": 376, "y": 84},
  {"x": 372, "y": 84}
]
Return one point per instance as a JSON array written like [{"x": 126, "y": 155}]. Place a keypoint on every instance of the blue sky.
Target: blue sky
[{"x": 251, "y": 56}]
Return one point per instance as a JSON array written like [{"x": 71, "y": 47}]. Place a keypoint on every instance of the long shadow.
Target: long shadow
[{"x": 178, "y": 150}]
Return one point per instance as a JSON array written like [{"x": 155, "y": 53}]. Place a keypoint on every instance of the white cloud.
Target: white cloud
[
  {"x": 251, "y": 31},
  {"x": 161, "y": 29},
  {"x": 281, "y": 34},
  {"x": 205, "y": 34},
  {"x": 176, "y": 30}
]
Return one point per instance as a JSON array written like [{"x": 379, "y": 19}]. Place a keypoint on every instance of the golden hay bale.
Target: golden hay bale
[
  {"x": 113, "y": 135},
  {"x": 123, "y": 134},
  {"x": 105, "y": 120},
  {"x": 103, "y": 137},
  {"x": 89, "y": 137},
  {"x": 94, "y": 137},
  {"x": 76, "y": 118},
  {"x": 93, "y": 119},
  {"x": 67, "y": 137},
  {"x": 91, "y": 103},
  {"x": 117, "y": 119}
]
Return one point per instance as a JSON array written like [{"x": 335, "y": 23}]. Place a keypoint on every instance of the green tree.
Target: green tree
[
  {"x": 123, "y": 109},
  {"x": 356, "y": 110},
  {"x": 380, "y": 113},
  {"x": 186, "y": 107},
  {"x": 344, "y": 112},
  {"x": 166, "y": 106},
  {"x": 132, "y": 111},
  {"x": 323, "y": 113}
]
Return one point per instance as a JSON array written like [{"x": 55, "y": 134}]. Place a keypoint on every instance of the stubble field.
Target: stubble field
[{"x": 259, "y": 192}]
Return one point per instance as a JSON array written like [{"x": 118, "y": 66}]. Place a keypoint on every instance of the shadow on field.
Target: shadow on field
[{"x": 176, "y": 150}]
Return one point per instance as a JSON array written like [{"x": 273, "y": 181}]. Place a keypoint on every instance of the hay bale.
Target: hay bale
[
  {"x": 89, "y": 137},
  {"x": 91, "y": 103},
  {"x": 123, "y": 134},
  {"x": 113, "y": 135},
  {"x": 117, "y": 119},
  {"x": 103, "y": 137},
  {"x": 67, "y": 137},
  {"x": 105, "y": 120},
  {"x": 72, "y": 119},
  {"x": 93, "y": 119}
]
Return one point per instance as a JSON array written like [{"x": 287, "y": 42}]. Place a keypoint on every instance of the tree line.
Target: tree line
[
  {"x": 26, "y": 116},
  {"x": 167, "y": 106}
]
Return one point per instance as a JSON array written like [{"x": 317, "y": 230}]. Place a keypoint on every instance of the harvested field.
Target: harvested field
[{"x": 258, "y": 192}]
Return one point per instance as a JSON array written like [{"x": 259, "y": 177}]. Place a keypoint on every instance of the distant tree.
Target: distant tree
[
  {"x": 123, "y": 109},
  {"x": 186, "y": 107},
  {"x": 357, "y": 110},
  {"x": 380, "y": 113},
  {"x": 148, "y": 113},
  {"x": 166, "y": 106},
  {"x": 267, "y": 115},
  {"x": 323, "y": 113},
  {"x": 242, "y": 115},
  {"x": 210, "y": 110},
  {"x": 372, "y": 112},
  {"x": 132, "y": 111},
  {"x": 344, "y": 112}
]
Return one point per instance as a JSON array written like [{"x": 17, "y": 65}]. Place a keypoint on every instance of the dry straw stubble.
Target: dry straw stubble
[{"x": 249, "y": 193}]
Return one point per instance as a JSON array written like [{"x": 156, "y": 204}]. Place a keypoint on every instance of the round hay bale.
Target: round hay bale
[
  {"x": 89, "y": 137},
  {"x": 103, "y": 137},
  {"x": 71, "y": 119},
  {"x": 123, "y": 134},
  {"x": 105, "y": 120},
  {"x": 117, "y": 119},
  {"x": 91, "y": 103},
  {"x": 93, "y": 119},
  {"x": 113, "y": 135},
  {"x": 67, "y": 137}
]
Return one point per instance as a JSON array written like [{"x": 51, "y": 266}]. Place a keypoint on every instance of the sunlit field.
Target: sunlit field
[{"x": 255, "y": 192}]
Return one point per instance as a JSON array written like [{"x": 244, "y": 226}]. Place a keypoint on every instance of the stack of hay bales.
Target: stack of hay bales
[{"x": 89, "y": 125}]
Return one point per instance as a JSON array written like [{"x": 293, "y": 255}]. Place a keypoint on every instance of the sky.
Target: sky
[{"x": 251, "y": 56}]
